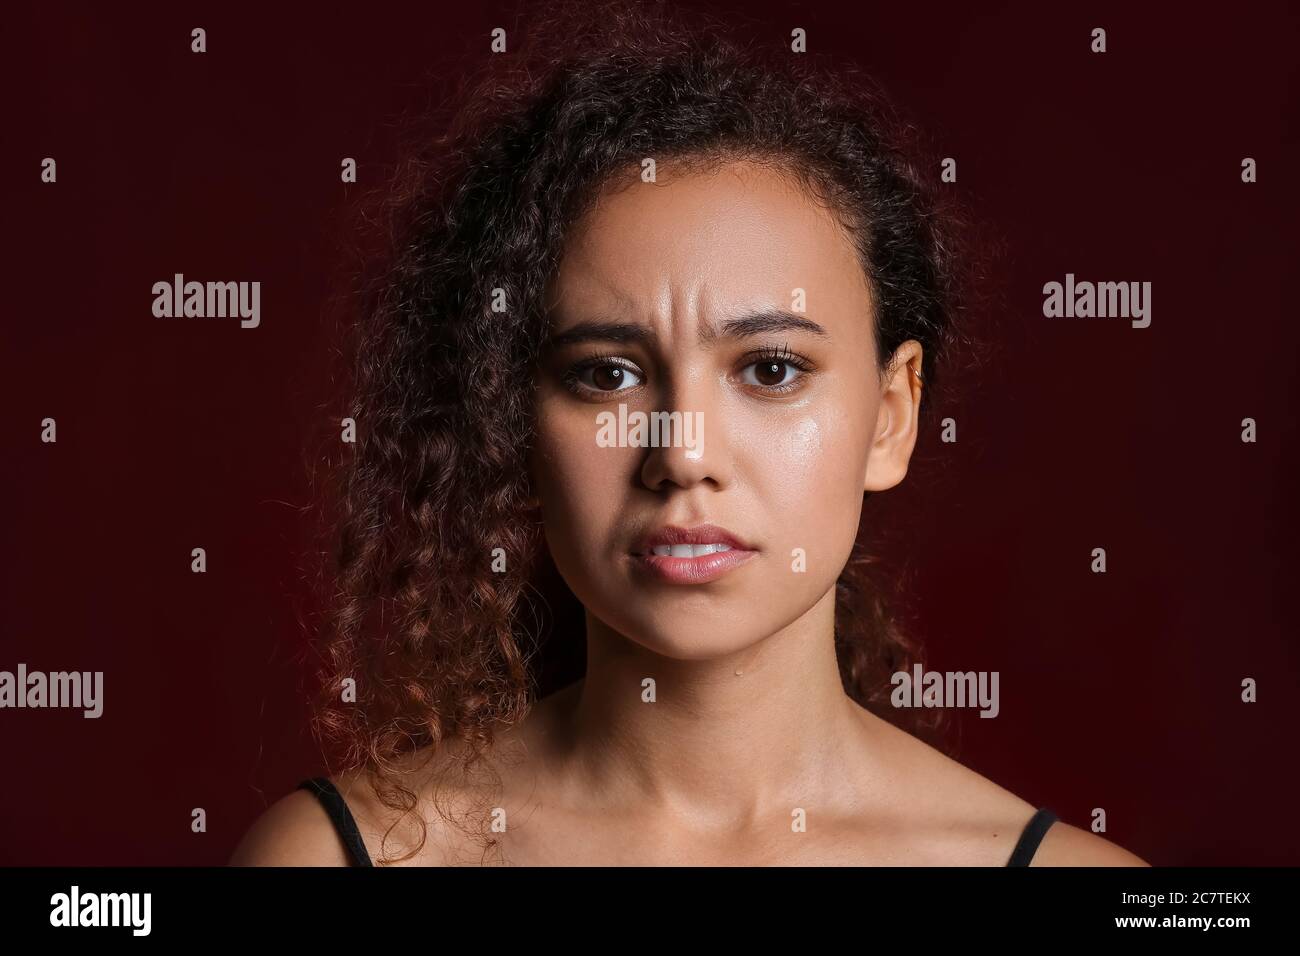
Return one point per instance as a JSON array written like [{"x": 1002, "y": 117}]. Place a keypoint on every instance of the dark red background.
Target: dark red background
[{"x": 1118, "y": 690}]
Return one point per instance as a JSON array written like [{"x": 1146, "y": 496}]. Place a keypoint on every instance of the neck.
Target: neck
[{"x": 725, "y": 740}]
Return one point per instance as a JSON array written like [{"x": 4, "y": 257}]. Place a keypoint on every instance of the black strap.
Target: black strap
[
  {"x": 346, "y": 825},
  {"x": 1031, "y": 837},
  {"x": 341, "y": 816}
]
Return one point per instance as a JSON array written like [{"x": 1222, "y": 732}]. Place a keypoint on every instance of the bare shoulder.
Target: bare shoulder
[
  {"x": 432, "y": 812},
  {"x": 983, "y": 820},
  {"x": 1067, "y": 845},
  {"x": 293, "y": 831},
  {"x": 296, "y": 830}
]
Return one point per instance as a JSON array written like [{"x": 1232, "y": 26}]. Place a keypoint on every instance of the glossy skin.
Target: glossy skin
[{"x": 749, "y": 724}]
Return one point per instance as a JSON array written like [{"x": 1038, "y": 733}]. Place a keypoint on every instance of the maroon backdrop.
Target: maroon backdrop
[{"x": 1119, "y": 690}]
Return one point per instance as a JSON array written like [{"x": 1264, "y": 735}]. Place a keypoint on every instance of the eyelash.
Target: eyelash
[
  {"x": 784, "y": 356},
  {"x": 766, "y": 355}
]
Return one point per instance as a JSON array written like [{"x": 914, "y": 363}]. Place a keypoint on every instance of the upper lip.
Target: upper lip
[{"x": 700, "y": 534}]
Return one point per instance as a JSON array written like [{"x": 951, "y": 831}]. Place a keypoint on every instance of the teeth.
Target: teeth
[{"x": 688, "y": 550}]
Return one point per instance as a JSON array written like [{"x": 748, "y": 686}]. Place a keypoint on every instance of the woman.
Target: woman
[{"x": 659, "y": 222}]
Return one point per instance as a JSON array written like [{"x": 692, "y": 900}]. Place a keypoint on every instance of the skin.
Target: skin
[{"x": 750, "y": 723}]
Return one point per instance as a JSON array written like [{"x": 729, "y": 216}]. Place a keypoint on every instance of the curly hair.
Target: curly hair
[{"x": 436, "y": 645}]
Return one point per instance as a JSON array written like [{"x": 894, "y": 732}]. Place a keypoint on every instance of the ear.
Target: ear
[{"x": 896, "y": 419}]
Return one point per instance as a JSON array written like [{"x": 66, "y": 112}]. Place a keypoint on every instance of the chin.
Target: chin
[{"x": 692, "y": 637}]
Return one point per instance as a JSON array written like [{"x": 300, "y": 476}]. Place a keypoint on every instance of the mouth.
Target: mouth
[{"x": 691, "y": 555}]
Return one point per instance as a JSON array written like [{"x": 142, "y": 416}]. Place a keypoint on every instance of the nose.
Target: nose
[{"x": 699, "y": 449}]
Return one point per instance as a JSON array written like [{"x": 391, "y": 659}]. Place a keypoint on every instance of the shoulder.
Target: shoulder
[
  {"x": 1066, "y": 845},
  {"x": 296, "y": 830},
  {"x": 293, "y": 831},
  {"x": 981, "y": 820}
]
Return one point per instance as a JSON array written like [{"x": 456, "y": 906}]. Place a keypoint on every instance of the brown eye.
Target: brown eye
[
  {"x": 604, "y": 376},
  {"x": 607, "y": 378},
  {"x": 769, "y": 373}
]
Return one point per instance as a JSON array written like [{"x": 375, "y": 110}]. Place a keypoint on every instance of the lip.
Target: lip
[
  {"x": 691, "y": 570},
  {"x": 700, "y": 534}
]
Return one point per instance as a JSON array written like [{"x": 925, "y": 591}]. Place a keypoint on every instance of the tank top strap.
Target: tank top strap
[
  {"x": 1032, "y": 835},
  {"x": 340, "y": 816}
]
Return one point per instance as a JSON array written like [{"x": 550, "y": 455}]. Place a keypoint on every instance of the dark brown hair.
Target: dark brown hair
[{"x": 440, "y": 647}]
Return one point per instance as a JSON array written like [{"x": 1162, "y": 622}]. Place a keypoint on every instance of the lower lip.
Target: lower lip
[{"x": 701, "y": 570}]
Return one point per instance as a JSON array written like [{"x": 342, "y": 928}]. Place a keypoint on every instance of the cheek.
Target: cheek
[
  {"x": 805, "y": 441},
  {"x": 578, "y": 481},
  {"x": 812, "y": 475},
  {"x": 787, "y": 463}
]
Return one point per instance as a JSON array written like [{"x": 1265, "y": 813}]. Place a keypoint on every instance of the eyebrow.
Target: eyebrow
[{"x": 761, "y": 322}]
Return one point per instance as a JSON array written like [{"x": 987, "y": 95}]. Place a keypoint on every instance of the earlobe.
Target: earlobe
[{"x": 874, "y": 481}]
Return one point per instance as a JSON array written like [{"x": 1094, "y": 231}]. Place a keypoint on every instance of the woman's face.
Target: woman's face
[{"x": 733, "y": 299}]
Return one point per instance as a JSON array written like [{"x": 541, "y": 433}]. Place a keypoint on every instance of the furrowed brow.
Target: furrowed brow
[
  {"x": 765, "y": 322},
  {"x": 621, "y": 332}
]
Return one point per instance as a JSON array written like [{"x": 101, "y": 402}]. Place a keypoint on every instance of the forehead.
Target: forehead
[{"x": 702, "y": 243}]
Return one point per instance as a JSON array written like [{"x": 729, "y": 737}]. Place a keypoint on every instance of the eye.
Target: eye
[
  {"x": 603, "y": 374},
  {"x": 776, "y": 370},
  {"x": 769, "y": 373}
]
